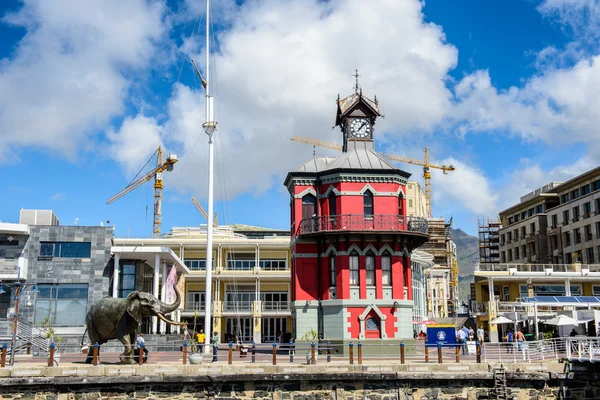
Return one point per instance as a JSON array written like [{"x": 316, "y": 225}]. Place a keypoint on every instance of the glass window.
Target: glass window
[
  {"x": 577, "y": 233},
  {"x": 590, "y": 255},
  {"x": 586, "y": 189},
  {"x": 332, "y": 204},
  {"x": 368, "y": 203},
  {"x": 576, "y": 213},
  {"x": 587, "y": 209},
  {"x": 386, "y": 269},
  {"x": 565, "y": 217},
  {"x": 370, "y": 262},
  {"x": 372, "y": 324},
  {"x": 567, "y": 238},
  {"x": 554, "y": 221},
  {"x": 66, "y": 249},
  {"x": 588, "y": 232},
  {"x": 332, "y": 272},
  {"x": 127, "y": 280},
  {"x": 354, "y": 277},
  {"x": 400, "y": 205},
  {"x": 550, "y": 290},
  {"x": 61, "y": 304}
]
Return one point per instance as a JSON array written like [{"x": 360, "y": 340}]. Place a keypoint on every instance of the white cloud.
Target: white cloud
[
  {"x": 280, "y": 67},
  {"x": 579, "y": 18},
  {"x": 72, "y": 70},
  {"x": 58, "y": 196}
]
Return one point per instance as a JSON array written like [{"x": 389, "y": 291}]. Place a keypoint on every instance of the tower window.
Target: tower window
[
  {"x": 332, "y": 272},
  {"x": 368, "y": 203},
  {"x": 332, "y": 204},
  {"x": 370, "y": 259},
  {"x": 354, "y": 277},
  {"x": 400, "y": 205},
  {"x": 386, "y": 269}
]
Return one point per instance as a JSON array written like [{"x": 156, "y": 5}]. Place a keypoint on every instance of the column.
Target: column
[
  {"x": 493, "y": 328},
  {"x": 115, "y": 284},
  {"x": 163, "y": 293},
  {"x": 155, "y": 288},
  {"x": 567, "y": 287},
  {"x": 257, "y": 315}
]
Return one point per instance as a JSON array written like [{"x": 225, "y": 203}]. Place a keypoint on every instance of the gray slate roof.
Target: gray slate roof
[{"x": 360, "y": 158}]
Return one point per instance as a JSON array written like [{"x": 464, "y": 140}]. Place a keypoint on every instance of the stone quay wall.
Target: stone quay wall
[{"x": 343, "y": 382}]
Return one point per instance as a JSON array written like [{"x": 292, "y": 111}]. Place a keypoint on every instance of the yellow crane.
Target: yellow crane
[
  {"x": 156, "y": 173},
  {"x": 424, "y": 163},
  {"x": 203, "y": 212}
]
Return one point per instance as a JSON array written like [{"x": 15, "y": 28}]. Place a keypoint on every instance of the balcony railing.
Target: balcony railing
[
  {"x": 360, "y": 222},
  {"x": 276, "y": 306},
  {"x": 195, "y": 306},
  {"x": 237, "y": 306},
  {"x": 578, "y": 268},
  {"x": 249, "y": 265}
]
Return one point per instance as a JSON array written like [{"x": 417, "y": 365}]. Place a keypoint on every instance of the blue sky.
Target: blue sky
[{"x": 505, "y": 90}]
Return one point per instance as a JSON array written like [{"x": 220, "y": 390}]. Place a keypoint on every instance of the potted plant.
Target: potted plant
[
  {"x": 310, "y": 336},
  {"x": 195, "y": 357}
]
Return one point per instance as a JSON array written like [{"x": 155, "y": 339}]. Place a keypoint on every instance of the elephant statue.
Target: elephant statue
[{"x": 113, "y": 318}]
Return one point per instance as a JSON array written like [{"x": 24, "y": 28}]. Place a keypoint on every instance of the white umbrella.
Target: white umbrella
[
  {"x": 562, "y": 320},
  {"x": 502, "y": 320}
]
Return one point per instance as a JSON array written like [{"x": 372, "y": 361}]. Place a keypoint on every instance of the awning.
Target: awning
[
  {"x": 148, "y": 255},
  {"x": 502, "y": 320}
]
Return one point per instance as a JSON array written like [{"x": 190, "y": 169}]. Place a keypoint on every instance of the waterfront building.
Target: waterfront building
[
  {"x": 548, "y": 247},
  {"x": 352, "y": 239}
]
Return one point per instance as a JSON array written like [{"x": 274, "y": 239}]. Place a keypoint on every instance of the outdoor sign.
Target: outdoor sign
[
  {"x": 471, "y": 347},
  {"x": 473, "y": 291},
  {"x": 443, "y": 334}
]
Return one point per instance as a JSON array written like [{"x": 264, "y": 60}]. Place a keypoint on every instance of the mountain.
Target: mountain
[{"x": 467, "y": 249}]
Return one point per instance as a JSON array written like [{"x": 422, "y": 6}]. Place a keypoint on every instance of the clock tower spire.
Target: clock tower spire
[{"x": 356, "y": 115}]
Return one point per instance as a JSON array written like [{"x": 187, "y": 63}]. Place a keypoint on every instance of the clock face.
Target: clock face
[{"x": 360, "y": 128}]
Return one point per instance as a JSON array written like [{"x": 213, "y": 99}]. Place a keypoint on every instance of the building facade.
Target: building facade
[
  {"x": 416, "y": 200},
  {"x": 351, "y": 238},
  {"x": 250, "y": 280},
  {"x": 548, "y": 247}
]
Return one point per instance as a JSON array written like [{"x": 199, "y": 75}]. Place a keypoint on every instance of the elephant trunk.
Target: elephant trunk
[{"x": 168, "y": 308}]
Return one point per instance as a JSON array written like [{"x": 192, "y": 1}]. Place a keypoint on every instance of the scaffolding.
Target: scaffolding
[{"x": 489, "y": 240}]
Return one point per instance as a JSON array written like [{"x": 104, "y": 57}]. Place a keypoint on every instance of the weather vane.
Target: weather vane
[{"x": 356, "y": 75}]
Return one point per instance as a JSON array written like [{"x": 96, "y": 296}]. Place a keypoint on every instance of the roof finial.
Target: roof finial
[{"x": 356, "y": 87}]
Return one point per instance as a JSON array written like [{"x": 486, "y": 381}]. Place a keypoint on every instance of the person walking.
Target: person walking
[
  {"x": 509, "y": 340},
  {"x": 215, "y": 345},
  {"x": 462, "y": 340},
  {"x": 201, "y": 339},
  {"x": 520, "y": 339},
  {"x": 480, "y": 334}
]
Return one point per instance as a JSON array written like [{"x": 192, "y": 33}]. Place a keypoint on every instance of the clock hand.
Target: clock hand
[{"x": 363, "y": 124}]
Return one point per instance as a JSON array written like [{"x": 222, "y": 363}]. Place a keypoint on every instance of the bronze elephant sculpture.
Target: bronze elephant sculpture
[{"x": 113, "y": 318}]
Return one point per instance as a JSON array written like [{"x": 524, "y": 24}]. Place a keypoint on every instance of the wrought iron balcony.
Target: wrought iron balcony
[{"x": 362, "y": 223}]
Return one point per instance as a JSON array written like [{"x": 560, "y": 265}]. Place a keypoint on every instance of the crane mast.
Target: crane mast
[{"x": 156, "y": 173}]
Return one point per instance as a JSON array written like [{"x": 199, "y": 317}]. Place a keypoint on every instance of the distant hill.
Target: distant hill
[{"x": 467, "y": 249}]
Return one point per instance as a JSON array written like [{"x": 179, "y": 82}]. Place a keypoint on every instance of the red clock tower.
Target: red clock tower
[{"x": 351, "y": 239}]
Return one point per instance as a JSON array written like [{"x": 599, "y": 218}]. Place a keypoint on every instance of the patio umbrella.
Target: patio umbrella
[
  {"x": 562, "y": 320},
  {"x": 502, "y": 320},
  {"x": 429, "y": 322}
]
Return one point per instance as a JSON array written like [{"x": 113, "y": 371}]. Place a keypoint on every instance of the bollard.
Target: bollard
[
  {"x": 439, "y": 353},
  {"x": 328, "y": 351},
  {"x": 312, "y": 353},
  {"x": 28, "y": 347},
  {"x": 274, "y": 353},
  {"x": 291, "y": 351},
  {"x": 401, "y": 352},
  {"x": 3, "y": 355},
  {"x": 51, "y": 358},
  {"x": 426, "y": 354},
  {"x": 253, "y": 351},
  {"x": 230, "y": 354},
  {"x": 359, "y": 352},
  {"x": 185, "y": 352},
  {"x": 96, "y": 351},
  {"x": 457, "y": 355},
  {"x": 141, "y": 354},
  {"x": 351, "y": 354},
  {"x": 478, "y": 353}
]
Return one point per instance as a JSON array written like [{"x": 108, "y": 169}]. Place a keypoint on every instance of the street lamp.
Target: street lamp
[{"x": 19, "y": 287}]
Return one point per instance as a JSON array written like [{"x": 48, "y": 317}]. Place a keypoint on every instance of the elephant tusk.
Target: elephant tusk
[{"x": 168, "y": 321}]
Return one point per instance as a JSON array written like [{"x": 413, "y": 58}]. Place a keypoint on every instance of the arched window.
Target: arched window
[
  {"x": 386, "y": 268},
  {"x": 309, "y": 206},
  {"x": 400, "y": 205},
  {"x": 354, "y": 276},
  {"x": 370, "y": 263},
  {"x": 368, "y": 203},
  {"x": 332, "y": 204}
]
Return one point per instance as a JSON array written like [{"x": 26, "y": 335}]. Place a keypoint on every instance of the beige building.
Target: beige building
[
  {"x": 251, "y": 279},
  {"x": 416, "y": 201}
]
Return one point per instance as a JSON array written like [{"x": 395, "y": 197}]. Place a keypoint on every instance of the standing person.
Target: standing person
[
  {"x": 201, "y": 338},
  {"x": 520, "y": 339},
  {"x": 215, "y": 345},
  {"x": 462, "y": 340},
  {"x": 141, "y": 342},
  {"x": 509, "y": 339},
  {"x": 480, "y": 334}
]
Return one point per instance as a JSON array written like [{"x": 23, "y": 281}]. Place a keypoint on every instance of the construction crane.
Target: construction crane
[
  {"x": 156, "y": 173},
  {"x": 203, "y": 212},
  {"x": 424, "y": 163}
]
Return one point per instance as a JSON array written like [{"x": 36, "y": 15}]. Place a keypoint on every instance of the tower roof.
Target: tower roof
[{"x": 347, "y": 104}]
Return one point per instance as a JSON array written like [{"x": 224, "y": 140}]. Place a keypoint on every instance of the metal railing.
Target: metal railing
[
  {"x": 276, "y": 306},
  {"x": 583, "y": 349},
  {"x": 360, "y": 222},
  {"x": 578, "y": 268},
  {"x": 238, "y": 306},
  {"x": 195, "y": 306}
]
